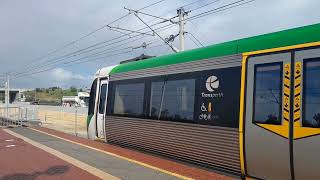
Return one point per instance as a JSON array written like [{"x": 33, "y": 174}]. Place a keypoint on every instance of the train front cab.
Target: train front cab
[
  {"x": 280, "y": 113},
  {"x": 101, "y": 108},
  {"x": 97, "y": 109}
]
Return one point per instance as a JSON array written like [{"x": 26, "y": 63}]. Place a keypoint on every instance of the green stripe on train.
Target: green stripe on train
[
  {"x": 89, "y": 117},
  {"x": 289, "y": 37}
]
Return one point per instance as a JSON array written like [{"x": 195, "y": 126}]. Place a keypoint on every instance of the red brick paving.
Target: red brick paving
[
  {"x": 22, "y": 161},
  {"x": 165, "y": 164}
]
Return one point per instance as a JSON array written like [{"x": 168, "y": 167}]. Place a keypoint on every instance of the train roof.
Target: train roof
[
  {"x": 105, "y": 71},
  {"x": 284, "y": 38}
]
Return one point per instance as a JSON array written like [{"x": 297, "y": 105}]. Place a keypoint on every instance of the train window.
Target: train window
[
  {"x": 103, "y": 96},
  {"x": 128, "y": 100},
  {"x": 311, "y": 93},
  {"x": 92, "y": 97},
  {"x": 173, "y": 100},
  {"x": 268, "y": 93}
]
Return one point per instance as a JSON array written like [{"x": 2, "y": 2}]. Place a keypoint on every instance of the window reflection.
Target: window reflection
[
  {"x": 312, "y": 93},
  {"x": 268, "y": 94},
  {"x": 172, "y": 100},
  {"x": 92, "y": 97},
  {"x": 103, "y": 97},
  {"x": 129, "y": 99}
]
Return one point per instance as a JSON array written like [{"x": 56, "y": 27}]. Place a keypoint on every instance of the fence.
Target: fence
[
  {"x": 10, "y": 116},
  {"x": 68, "y": 120},
  {"x": 17, "y": 116}
]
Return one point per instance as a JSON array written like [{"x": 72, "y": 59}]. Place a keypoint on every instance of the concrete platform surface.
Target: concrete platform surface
[
  {"x": 20, "y": 160},
  {"x": 35, "y": 151}
]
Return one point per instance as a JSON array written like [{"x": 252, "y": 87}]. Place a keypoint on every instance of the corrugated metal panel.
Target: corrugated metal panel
[
  {"x": 210, "y": 146},
  {"x": 201, "y": 65}
]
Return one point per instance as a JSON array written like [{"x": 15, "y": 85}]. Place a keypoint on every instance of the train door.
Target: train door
[
  {"x": 306, "y": 143},
  {"x": 267, "y": 143},
  {"x": 101, "y": 109}
]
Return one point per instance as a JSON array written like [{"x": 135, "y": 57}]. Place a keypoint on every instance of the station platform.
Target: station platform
[{"x": 41, "y": 153}]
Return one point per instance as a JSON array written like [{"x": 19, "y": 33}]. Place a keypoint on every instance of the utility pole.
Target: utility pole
[
  {"x": 182, "y": 21},
  {"x": 182, "y": 13}
]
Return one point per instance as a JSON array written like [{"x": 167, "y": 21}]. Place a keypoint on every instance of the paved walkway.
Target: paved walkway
[
  {"x": 20, "y": 160},
  {"x": 34, "y": 151}
]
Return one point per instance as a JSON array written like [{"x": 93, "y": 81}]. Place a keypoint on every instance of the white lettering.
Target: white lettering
[{"x": 213, "y": 95}]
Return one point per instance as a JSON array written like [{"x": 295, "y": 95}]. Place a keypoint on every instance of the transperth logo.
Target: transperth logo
[{"x": 212, "y": 83}]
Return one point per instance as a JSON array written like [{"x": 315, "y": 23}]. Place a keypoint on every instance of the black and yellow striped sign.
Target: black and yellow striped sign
[
  {"x": 299, "y": 131},
  {"x": 297, "y": 92},
  {"x": 286, "y": 92}
]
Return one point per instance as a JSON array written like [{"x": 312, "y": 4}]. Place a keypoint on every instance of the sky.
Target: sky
[{"x": 34, "y": 33}]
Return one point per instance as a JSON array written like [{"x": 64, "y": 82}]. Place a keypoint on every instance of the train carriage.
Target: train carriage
[{"x": 248, "y": 107}]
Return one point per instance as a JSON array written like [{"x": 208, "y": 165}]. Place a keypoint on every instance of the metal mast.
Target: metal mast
[
  {"x": 181, "y": 13},
  {"x": 7, "y": 96}
]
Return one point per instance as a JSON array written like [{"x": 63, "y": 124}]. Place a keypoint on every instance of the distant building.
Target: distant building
[
  {"x": 82, "y": 100},
  {"x": 16, "y": 95}
]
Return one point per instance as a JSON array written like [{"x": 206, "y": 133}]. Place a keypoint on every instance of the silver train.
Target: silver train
[{"x": 250, "y": 107}]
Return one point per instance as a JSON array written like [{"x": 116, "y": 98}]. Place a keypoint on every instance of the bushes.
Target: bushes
[{"x": 49, "y": 96}]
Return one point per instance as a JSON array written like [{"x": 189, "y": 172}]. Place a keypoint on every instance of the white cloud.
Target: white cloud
[
  {"x": 57, "y": 77},
  {"x": 60, "y": 74}
]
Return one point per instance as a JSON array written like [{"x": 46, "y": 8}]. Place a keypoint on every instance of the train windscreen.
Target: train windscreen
[{"x": 92, "y": 97}]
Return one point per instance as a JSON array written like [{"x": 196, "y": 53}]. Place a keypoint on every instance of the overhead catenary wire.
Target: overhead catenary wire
[
  {"x": 89, "y": 34},
  {"x": 216, "y": 10},
  {"x": 194, "y": 27},
  {"x": 174, "y": 9},
  {"x": 104, "y": 53},
  {"x": 128, "y": 30},
  {"x": 166, "y": 20},
  {"x": 95, "y": 59},
  {"x": 145, "y": 7},
  {"x": 186, "y": 19},
  {"x": 194, "y": 2},
  {"x": 195, "y": 38},
  {"x": 205, "y": 5},
  {"x": 147, "y": 14},
  {"x": 157, "y": 2},
  {"x": 51, "y": 68},
  {"x": 60, "y": 60},
  {"x": 26, "y": 73},
  {"x": 81, "y": 51},
  {"x": 88, "y": 49},
  {"x": 193, "y": 41},
  {"x": 156, "y": 46},
  {"x": 94, "y": 46},
  {"x": 219, "y": 9},
  {"x": 173, "y": 49},
  {"x": 222, "y": 8}
]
